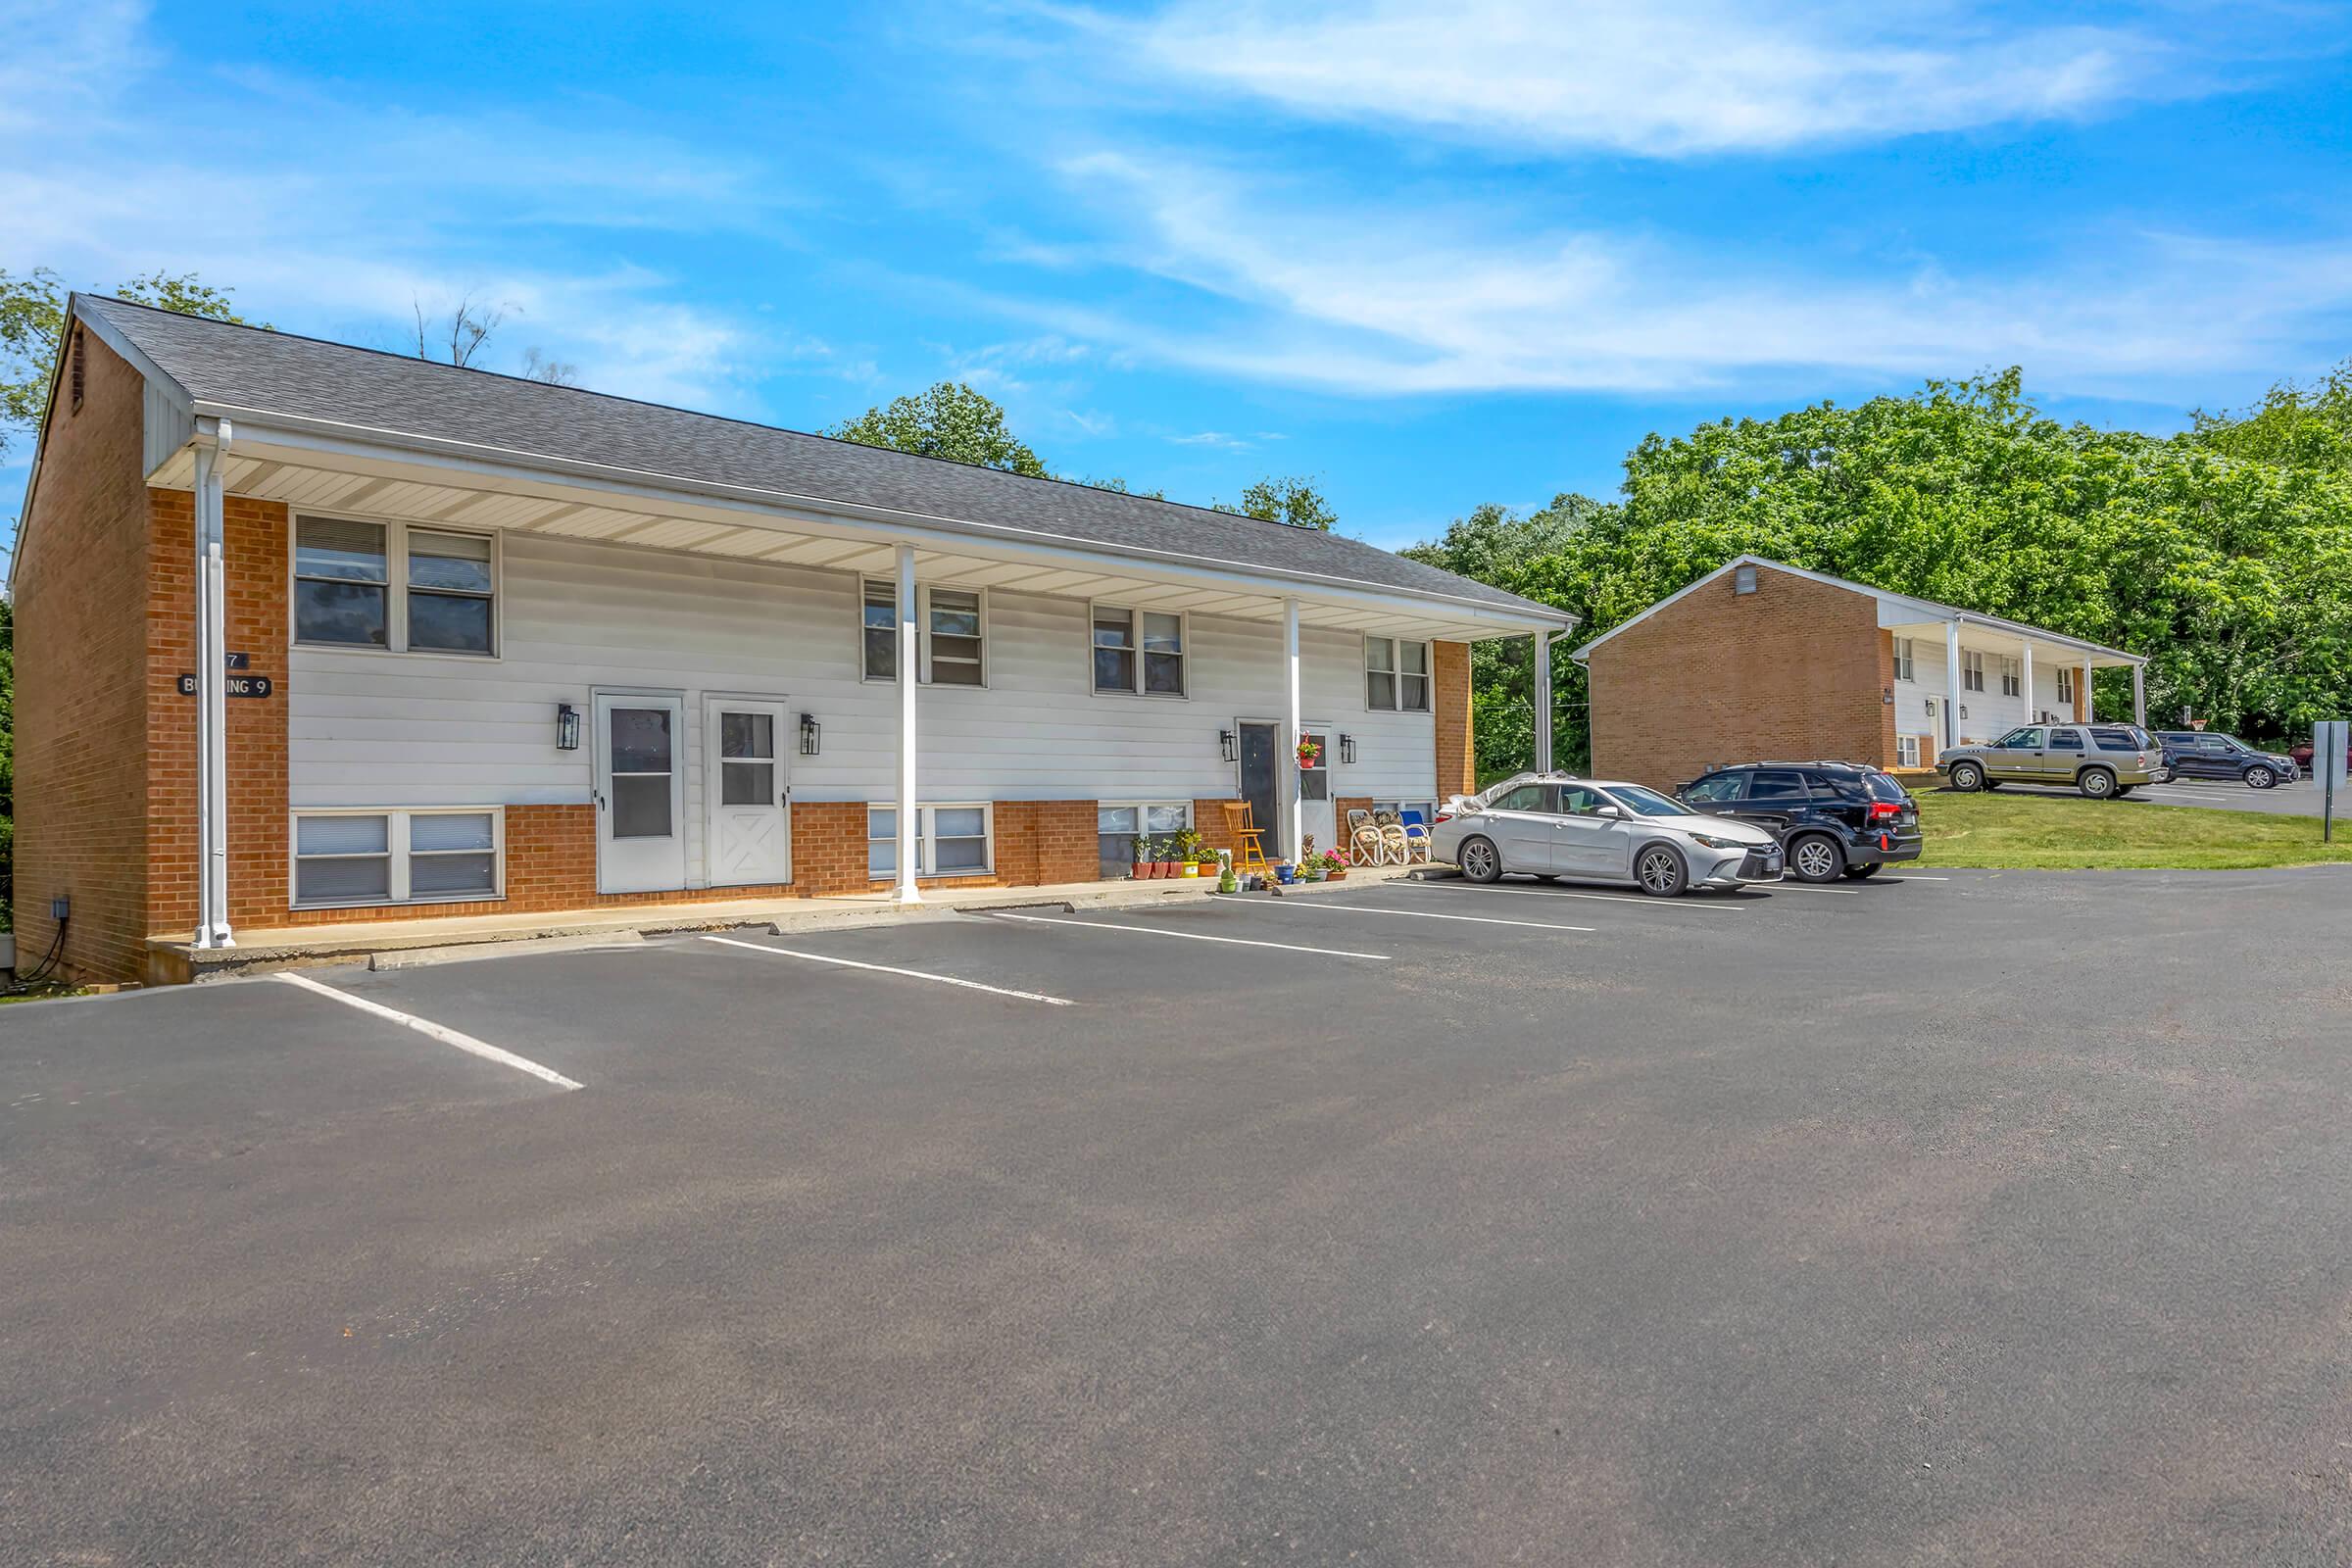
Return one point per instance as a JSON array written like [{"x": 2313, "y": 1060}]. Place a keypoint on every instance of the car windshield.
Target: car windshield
[{"x": 1648, "y": 802}]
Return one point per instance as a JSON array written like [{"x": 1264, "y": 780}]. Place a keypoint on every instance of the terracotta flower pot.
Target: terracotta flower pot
[{"x": 1140, "y": 871}]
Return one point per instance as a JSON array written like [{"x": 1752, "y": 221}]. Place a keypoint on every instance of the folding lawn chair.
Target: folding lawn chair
[
  {"x": 1416, "y": 835},
  {"x": 1366, "y": 841}
]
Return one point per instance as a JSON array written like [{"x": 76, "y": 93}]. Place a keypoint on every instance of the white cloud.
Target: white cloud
[
  {"x": 1382, "y": 301},
  {"x": 1212, "y": 438},
  {"x": 1645, "y": 76}
]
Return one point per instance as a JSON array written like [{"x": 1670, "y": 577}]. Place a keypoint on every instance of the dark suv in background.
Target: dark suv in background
[
  {"x": 2201, "y": 753},
  {"x": 1833, "y": 819}
]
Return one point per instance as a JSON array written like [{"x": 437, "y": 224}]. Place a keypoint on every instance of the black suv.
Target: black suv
[
  {"x": 1833, "y": 818},
  {"x": 2201, "y": 753}
]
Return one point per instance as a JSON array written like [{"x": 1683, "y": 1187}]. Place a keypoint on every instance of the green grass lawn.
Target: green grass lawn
[{"x": 2054, "y": 832}]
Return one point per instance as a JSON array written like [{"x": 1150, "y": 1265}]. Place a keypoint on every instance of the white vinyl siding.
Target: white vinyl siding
[
  {"x": 357, "y": 857},
  {"x": 956, "y": 840},
  {"x": 365, "y": 730}
]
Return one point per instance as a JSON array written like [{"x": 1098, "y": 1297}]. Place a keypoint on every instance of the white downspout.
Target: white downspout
[
  {"x": 1543, "y": 702},
  {"x": 909, "y": 650},
  {"x": 211, "y": 689},
  {"x": 1295, "y": 840}
]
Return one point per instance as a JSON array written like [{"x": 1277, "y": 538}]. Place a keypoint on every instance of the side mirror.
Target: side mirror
[{"x": 1607, "y": 811}]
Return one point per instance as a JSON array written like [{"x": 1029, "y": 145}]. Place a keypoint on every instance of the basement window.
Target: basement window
[
  {"x": 949, "y": 840},
  {"x": 354, "y": 858}
]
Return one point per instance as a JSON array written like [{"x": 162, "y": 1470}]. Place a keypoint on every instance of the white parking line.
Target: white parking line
[
  {"x": 1562, "y": 892},
  {"x": 1793, "y": 885},
  {"x": 1189, "y": 936},
  {"x": 1914, "y": 876},
  {"x": 884, "y": 968},
  {"x": 1319, "y": 906},
  {"x": 432, "y": 1030}
]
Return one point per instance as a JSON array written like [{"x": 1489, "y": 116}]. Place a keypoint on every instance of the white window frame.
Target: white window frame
[
  {"x": 1907, "y": 659},
  {"x": 1184, "y": 653},
  {"x": 926, "y": 838},
  {"x": 1972, "y": 669},
  {"x": 1397, "y": 674},
  {"x": 922, "y": 632},
  {"x": 2013, "y": 677},
  {"x": 1142, "y": 810},
  {"x": 1906, "y": 751},
  {"x": 2065, "y": 684},
  {"x": 396, "y": 848},
  {"x": 396, "y": 586}
]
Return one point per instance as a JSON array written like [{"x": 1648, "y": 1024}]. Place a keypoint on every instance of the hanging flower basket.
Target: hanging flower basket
[{"x": 1308, "y": 751}]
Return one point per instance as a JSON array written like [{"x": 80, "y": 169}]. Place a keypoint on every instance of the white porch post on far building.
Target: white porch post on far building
[
  {"x": 1951, "y": 683},
  {"x": 2087, "y": 714},
  {"x": 1542, "y": 642},
  {"x": 211, "y": 689},
  {"x": 1294, "y": 814},
  {"x": 2026, "y": 657},
  {"x": 909, "y": 651},
  {"x": 2139, "y": 694}
]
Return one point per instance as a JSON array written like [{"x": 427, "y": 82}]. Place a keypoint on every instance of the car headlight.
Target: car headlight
[{"x": 1714, "y": 843}]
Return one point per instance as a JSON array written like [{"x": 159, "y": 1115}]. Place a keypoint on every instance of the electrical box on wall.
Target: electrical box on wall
[{"x": 60, "y": 909}]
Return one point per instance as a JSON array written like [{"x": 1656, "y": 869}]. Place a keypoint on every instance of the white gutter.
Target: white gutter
[{"x": 213, "y": 439}]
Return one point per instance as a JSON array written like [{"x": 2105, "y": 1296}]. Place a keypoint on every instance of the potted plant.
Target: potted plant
[
  {"x": 1142, "y": 870},
  {"x": 1334, "y": 866},
  {"x": 1285, "y": 871},
  {"x": 1308, "y": 751}
]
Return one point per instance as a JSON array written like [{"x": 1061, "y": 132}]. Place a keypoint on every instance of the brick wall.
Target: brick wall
[
  {"x": 81, "y": 697},
  {"x": 1458, "y": 753},
  {"x": 1796, "y": 669}
]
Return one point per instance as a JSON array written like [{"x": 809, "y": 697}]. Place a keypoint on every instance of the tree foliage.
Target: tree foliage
[
  {"x": 2223, "y": 553},
  {"x": 1292, "y": 501},
  {"x": 33, "y": 318},
  {"x": 950, "y": 420}
]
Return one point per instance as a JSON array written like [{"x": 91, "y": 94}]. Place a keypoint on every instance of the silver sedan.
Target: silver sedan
[{"x": 1552, "y": 825}]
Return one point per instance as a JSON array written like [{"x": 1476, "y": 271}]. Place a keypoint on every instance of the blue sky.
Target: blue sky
[{"x": 1431, "y": 254}]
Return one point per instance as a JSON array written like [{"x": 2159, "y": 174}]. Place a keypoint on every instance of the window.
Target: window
[
  {"x": 1581, "y": 800},
  {"x": 1972, "y": 670},
  {"x": 950, "y": 634},
  {"x": 396, "y": 857},
  {"x": 2066, "y": 740},
  {"x": 1314, "y": 778},
  {"x": 747, "y": 759},
  {"x": 2012, "y": 678},
  {"x": 1138, "y": 651},
  {"x": 1117, "y": 827},
  {"x": 1428, "y": 810},
  {"x": 2028, "y": 739},
  {"x": 949, "y": 840},
  {"x": 1905, "y": 666},
  {"x": 392, "y": 586},
  {"x": 1906, "y": 751},
  {"x": 1743, "y": 580},
  {"x": 1524, "y": 798},
  {"x": 1766, "y": 786},
  {"x": 1717, "y": 788},
  {"x": 2065, "y": 684},
  {"x": 1396, "y": 675}
]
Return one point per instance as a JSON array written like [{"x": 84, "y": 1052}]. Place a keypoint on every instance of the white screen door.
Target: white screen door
[
  {"x": 640, "y": 820},
  {"x": 1314, "y": 790},
  {"x": 744, "y": 772}
]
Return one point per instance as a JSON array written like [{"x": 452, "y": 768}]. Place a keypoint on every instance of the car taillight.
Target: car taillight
[
  {"x": 1444, "y": 817},
  {"x": 1884, "y": 808}
]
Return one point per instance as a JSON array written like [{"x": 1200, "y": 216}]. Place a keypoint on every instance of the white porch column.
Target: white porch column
[
  {"x": 1294, "y": 816},
  {"x": 909, "y": 651},
  {"x": 211, "y": 692},
  {"x": 2139, "y": 694},
  {"x": 2088, "y": 713},
  {"x": 1542, "y": 641},
  {"x": 1951, "y": 684},
  {"x": 2032, "y": 713}
]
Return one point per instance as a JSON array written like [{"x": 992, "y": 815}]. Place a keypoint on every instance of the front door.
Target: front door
[
  {"x": 640, "y": 820},
  {"x": 751, "y": 834},
  {"x": 1261, "y": 781}
]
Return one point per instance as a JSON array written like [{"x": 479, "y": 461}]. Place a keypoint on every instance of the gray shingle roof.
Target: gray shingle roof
[{"x": 278, "y": 372}]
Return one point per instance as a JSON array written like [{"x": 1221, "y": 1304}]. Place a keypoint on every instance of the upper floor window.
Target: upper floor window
[
  {"x": 950, "y": 634},
  {"x": 2012, "y": 678},
  {"x": 1396, "y": 675},
  {"x": 1972, "y": 670},
  {"x": 1138, "y": 651},
  {"x": 392, "y": 586},
  {"x": 1905, "y": 666},
  {"x": 2065, "y": 684}
]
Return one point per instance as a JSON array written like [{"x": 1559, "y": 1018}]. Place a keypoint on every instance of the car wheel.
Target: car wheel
[
  {"x": 2095, "y": 783},
  {"x": 1967, "y": 777},
  {"x": 1661, "y": 871},
  {"x": 1481, "y": 861},
  {"x": 1816, "y": 858},
  {"x": 2259, "y": 778},
  {"x": 1859, "y": 872}
]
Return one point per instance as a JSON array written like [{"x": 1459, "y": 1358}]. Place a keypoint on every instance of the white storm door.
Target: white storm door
[
  {"x": 640, "y": 816},
  {"x": 750, "y": 830},
  {"x": 1317, "y": 817}
]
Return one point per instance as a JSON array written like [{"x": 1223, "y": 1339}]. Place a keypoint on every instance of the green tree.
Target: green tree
[
  {"x": 32, "y": 317},
  {"x": 1293, "y": 501},
  {"x": 951, "y": 421}
]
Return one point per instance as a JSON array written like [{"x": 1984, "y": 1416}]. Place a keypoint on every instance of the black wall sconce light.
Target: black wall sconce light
[
  {"x": 1346, "y": 748},
  {"x": 568, "y": 727},
  {"x": 1226, "y": 747},
  {"x": 812, "y": 735}
]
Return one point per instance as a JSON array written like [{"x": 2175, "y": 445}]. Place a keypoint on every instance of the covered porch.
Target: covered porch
[{"x": 1963, "y": 678}]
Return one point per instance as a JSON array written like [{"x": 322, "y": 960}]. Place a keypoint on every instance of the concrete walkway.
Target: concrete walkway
[{"x": 264, "y": 948}]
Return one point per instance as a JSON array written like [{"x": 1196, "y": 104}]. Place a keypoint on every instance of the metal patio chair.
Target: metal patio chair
[{"x": 1365, "y": 840}]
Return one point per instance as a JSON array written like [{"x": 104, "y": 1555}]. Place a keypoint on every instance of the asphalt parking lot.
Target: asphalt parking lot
[
  {"x": 1982, "y": 1218},
  {"x": 2300, "y": 798}
]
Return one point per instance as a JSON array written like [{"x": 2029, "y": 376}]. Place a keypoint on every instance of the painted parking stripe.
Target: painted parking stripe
[
  {"x": 432, "y": 1031},
  {"x": 1679, "y": 905},
  {"x": 1188, "y": 936},
  {"x": 1321, "y": 906},
  {"x": 884, "y": 968}
]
